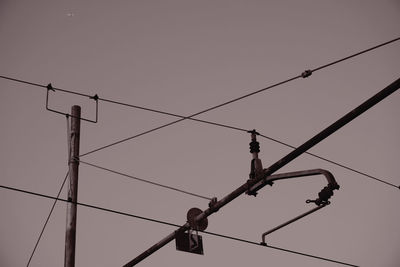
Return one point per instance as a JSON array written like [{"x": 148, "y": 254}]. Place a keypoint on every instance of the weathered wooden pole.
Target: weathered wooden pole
[{"x": 73, "y": 162}]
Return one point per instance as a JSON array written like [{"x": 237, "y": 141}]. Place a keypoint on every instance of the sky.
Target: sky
[{"x": 183, "y": 57}]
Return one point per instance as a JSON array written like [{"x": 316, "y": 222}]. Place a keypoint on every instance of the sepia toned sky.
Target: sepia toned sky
[{"x": 183, "y": 57}]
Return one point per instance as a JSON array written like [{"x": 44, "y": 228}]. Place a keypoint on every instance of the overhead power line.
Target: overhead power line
[
  {"x": 182, "y": 118},
  {"x": 203, "y": 121},
  {"x": 47, "y": 219},
  {"x": 277, "y": 248},
  {"x": 305, "y": 74},
  {"x": 332, "y": 162},
  {"x": 171, "y": 224},
  {"x": 145, "y": 181},
  {"x": 123, "y": 104},
  {"x": 58, "y": 195}
]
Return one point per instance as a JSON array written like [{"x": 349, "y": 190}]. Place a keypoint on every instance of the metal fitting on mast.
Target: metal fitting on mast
[{"x": 256, "y": 168}]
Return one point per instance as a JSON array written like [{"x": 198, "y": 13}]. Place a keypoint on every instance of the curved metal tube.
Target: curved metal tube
[{"x": 269, "y": 179}]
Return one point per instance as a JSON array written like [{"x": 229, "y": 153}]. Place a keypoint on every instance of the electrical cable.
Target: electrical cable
[
  {"x": 170, "y": 224},
  {"x": 207, "y": 122},
  {"x": 277, "y": 248},
  {"x": 332, "y": 162},
  {"x": 171, "y": 114},
  {"x": 124, "y": 104},
  {"x": 58, "y": 194},
  {"x": 305, "y": 74},
  {"x": 47, "y": 219},
  {"x": 88, "y": 205},
  {"x": 193, "y": 115},
  {"x": 356, "y": 54},
  {"x": 146, "y": 181}
]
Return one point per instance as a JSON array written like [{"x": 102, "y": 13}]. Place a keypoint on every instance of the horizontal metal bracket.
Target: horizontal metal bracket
[
  {"x": 95, "y": 98},
  {"x": 268, "y": 180}
]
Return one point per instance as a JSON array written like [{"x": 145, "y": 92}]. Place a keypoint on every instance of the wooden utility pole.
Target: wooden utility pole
[{"x": 73, "y": 162}]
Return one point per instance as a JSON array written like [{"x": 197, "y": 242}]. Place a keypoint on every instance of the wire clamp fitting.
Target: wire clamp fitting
[
  {"x": 320, "y": 202},
  {"x": 50, "y": 87},
  {"x": 95, "y": 97},
  {"x": 74, "y": 160},
  {"x": 325, "y": 194},
  {"x": 306, "y": 73},
  {"x": 212, "y": 203}
]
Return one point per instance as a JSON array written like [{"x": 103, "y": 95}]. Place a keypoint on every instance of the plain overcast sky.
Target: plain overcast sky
[{"x": 183, "y": 57}]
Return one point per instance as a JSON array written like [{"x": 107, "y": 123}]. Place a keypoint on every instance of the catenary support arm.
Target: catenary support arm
[{"x": 285, "y": 160}]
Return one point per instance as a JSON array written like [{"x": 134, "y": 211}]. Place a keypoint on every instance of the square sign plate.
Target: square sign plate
[{"x": 189, "y": 242}]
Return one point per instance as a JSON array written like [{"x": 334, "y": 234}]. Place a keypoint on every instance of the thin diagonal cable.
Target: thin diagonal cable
[
  {"x": 218, "y": 124},
  {"x": 190, "y": 118},
  {"x": 145, "y": 181},
  {"x": 277, "y": 248},
  {"x": 58, "y": 194},
  {"x": 88, "y": 205},
  {"x": 303, "y": 75},
  {"x": 201, "y": 112},
  {"x": 215, "y": 123},
  {"x": 47, "y": 219},
  {"x": 356, "y": 54},
  {"x": 193, "y": 115},
  {"x": 124, "y": 104},
  {"x": 332, "y": 162},
  {"x": 171, "y": 114},
  {"x": 172, "y": 224}
]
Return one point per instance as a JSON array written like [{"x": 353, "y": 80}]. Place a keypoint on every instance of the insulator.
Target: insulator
[
  {"x": 325, "y": 193},
  {"x": 254, "y": 147},
  {"x": 306, "y": 73}
]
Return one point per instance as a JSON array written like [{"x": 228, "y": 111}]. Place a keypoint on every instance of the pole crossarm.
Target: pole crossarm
[{"x": 216, "y": 205}]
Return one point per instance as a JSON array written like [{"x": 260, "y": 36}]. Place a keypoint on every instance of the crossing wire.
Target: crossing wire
[
  {"x": 144, "y": 180},
  {"x": 47, "y": 219},
  {"x": 58, "y": 194},
  {"x": 206, "y": 122},
  {"x": 305, "y": 74},
  {"x": 169, "y": 224},
  {"x": 332, "y": 162}
]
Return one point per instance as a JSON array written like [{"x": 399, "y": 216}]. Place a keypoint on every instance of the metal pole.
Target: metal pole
[
  {"x": 282, "y": 162},
  {"x": 70, "y": 234}
]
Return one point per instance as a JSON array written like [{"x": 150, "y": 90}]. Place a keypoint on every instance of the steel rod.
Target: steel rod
[{"x": 290, "y": 221}]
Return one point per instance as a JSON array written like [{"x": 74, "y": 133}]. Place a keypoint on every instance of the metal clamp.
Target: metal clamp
[
  {"x": 256, "y": 168},
  {"x": 306, "y": 73}
]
